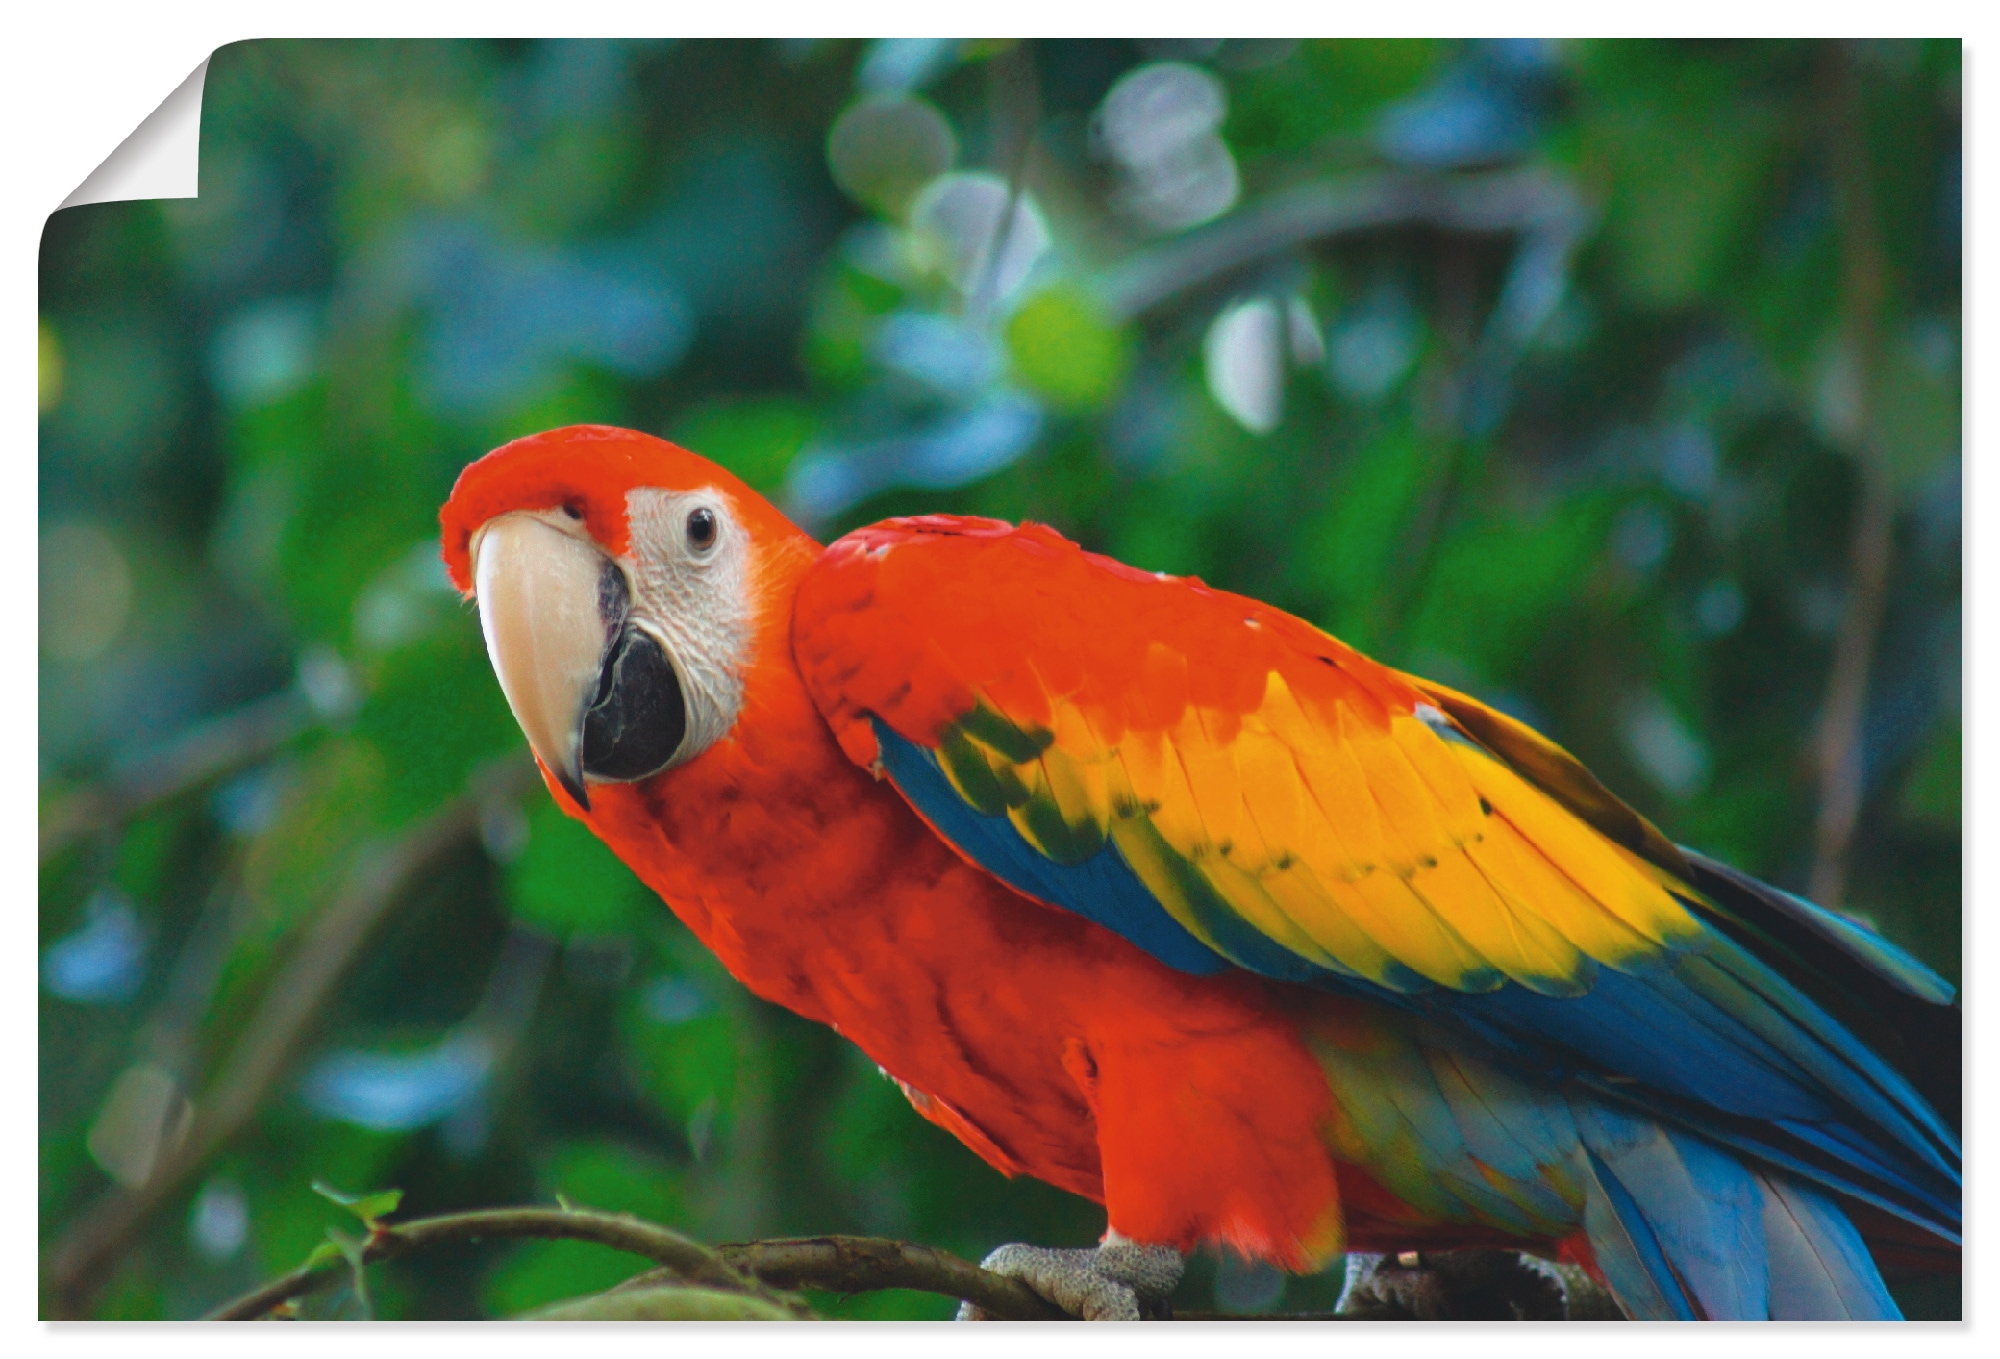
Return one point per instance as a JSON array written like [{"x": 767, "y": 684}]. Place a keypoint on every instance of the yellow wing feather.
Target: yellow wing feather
[{"x": 1397, "y": 854}]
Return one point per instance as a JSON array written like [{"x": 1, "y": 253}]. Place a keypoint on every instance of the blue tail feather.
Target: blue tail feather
[
  {"x": 1698, "y": 1204},
  {"x": 1833, "y": 1055},
  {"x": 1747, "y": 1041},
  {"x": 1627, "y": 1251},
  {"x": 1820, "y": 1270},
  {"x": 1683, "y": 1230}
]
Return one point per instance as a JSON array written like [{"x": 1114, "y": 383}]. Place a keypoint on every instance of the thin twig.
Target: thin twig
[
  {"x": 379, "y": 872},
  {"x": 1864, "y": 288},
  {"x": 1505, "y": 200},
  {"x": 1013, "y": 73},
  {"x": 840, "y": 1264},
  {"x": 862, "y": 1264},
  {"x": 771, "y": 1270},
  {"x": 687, "y": 1258},
  {"x": 201, "y": 753}
]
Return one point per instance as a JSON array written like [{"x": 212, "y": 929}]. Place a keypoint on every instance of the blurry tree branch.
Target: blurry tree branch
[
  {"x": 376, "y": 877},
  {"x": 1529, "y": 200},
  {"x": 1536, "y": 204},
  {"x": 861, "y": 1264},
  {"x": 1863, "y": 295},
  {"x": 1452, "y": 1285},
  {"x": 201, "y": 753},
  {"x": 840, "y": 1264},
  {"x": 1014, "y": 104},
  {"x": 687, "y": 1259}
]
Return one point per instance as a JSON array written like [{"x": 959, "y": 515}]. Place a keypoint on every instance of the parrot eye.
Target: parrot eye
[{"x": 701, "y": 529}]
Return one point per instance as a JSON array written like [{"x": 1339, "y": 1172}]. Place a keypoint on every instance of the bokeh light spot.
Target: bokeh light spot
[
  {"x": 219, "y": 1219},
  {"x": 86, "y": 591},
  {"x": 48, "y": 368},
  {"x": 958, "y": 220},
  {"x": 264, "y": 351},
  {"x": 1244, "y": 360},
  {"x": 1159, "y": 123},
  {"x": 883, "y": 150},
  {"x": 103, "y": 961},
  {"x": 1718, "y": 609},
  {"x": 1666, "y": 750}
]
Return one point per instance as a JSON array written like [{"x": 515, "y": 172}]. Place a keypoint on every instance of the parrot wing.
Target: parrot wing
[{"x": 1224, "y": 785}]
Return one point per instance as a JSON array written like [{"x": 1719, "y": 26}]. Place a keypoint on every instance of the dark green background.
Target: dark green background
[{"x": 1630, "y": 527}]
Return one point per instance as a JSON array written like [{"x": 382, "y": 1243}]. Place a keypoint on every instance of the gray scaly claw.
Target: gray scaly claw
[
  {"x": 1465, "y": 1285},
  {"x": 1118, "y": 1281}
]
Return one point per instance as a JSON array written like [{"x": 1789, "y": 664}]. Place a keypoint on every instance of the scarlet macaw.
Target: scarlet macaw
[{"x": 1164, "y": 897}]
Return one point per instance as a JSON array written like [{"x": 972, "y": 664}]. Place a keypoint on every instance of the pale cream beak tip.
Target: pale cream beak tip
[{"x": 537, "y": 589}]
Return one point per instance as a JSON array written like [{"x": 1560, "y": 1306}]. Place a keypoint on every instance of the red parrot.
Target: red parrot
[{"x": 1169, "y": 899}]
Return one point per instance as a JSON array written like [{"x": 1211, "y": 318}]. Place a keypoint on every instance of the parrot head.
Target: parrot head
[{"x": 620, "y": 582}]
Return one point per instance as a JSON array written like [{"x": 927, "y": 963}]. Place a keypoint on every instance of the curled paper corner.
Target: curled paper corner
[{"x": 162, "y": 157}]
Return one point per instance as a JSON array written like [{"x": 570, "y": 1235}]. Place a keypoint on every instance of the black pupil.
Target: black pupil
[{"x": 701, "y": 528}]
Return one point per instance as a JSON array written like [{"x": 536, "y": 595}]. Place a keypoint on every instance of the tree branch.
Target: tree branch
[
  {"x": 1863, "y": 294},
  {"x": 1013, "y": 99},
  {"x": 1503, "y": 200},
  {"x": 377, "y": 876},
  {"x": 840, "y": 1264},
  {"x": 862, "y": 1264},
  {"x": 1459, "y": 1285},
  {"x": 188, "y": 760},
  {"x": 688, "y": 1259}
]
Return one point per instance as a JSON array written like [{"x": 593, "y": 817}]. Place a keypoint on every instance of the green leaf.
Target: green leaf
[
  {"x": 1917, "y": 418},
  {"x": 1683, "y": 148},
  {"x": 567, "y": 882},
  {"x": 325, "y": 1253},
  {"x": 1355, "y": 541},
  {"x": 608, "y": 1176},
  {"x": 434, "y": 712},
  {"x": 754, "y": 437},
  {"x": 1329, "y": 87},
  {"x": 288, "y": 1217},
  {"x": 367, "y": 1207},
  {"x": 1067, "y": 350},
  {"x": 1934, "y": 792},
  {"x": 354, "y": 1249}
]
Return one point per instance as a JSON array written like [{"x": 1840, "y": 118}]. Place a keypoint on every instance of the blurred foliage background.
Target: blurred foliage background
[{"x": 1617, "y": 383}]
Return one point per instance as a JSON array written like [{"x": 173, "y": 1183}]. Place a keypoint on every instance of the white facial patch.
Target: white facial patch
[{"x": 695, "y": 601}]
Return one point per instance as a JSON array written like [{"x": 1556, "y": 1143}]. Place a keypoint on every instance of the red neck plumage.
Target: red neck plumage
[{"x": 760, "y": 842}]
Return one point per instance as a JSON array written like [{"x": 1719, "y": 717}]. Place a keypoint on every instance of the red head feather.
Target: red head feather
[{"x": 591, "y": 469}]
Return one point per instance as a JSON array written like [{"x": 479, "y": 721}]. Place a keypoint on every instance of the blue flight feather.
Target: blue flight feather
[
  {"x": 1627, "y": 1251},
  {"x": 1819, "y": 1267},
  {"x": 1700, "y": 1208},
  {"x": 1101, "y": 888},
  {"x": 1709, "y": 1026}
]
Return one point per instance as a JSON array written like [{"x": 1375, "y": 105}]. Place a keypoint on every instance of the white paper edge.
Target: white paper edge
[{"x": 162, "y": 157}]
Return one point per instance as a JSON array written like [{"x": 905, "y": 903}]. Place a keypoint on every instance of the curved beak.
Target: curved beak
[{"x": 539, "y": 592}]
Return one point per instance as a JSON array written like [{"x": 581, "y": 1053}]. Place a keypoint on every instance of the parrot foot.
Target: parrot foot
[
  {"x": 1120, "y": 1280},
  {"x": 1454, "y": 1285}
]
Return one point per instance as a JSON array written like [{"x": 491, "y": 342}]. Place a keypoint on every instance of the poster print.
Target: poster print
[{"x": 1378, "y": 734}]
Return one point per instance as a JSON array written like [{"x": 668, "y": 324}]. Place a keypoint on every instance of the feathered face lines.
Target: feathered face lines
[
  {"x": 692, "y": 572},
  {"x": 618, "y": 664}
]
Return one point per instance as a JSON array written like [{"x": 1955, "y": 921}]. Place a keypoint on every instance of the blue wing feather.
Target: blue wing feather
[
  {"x": 1710, "y": 1037},
  {"x": 1101, "y": 888}
]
